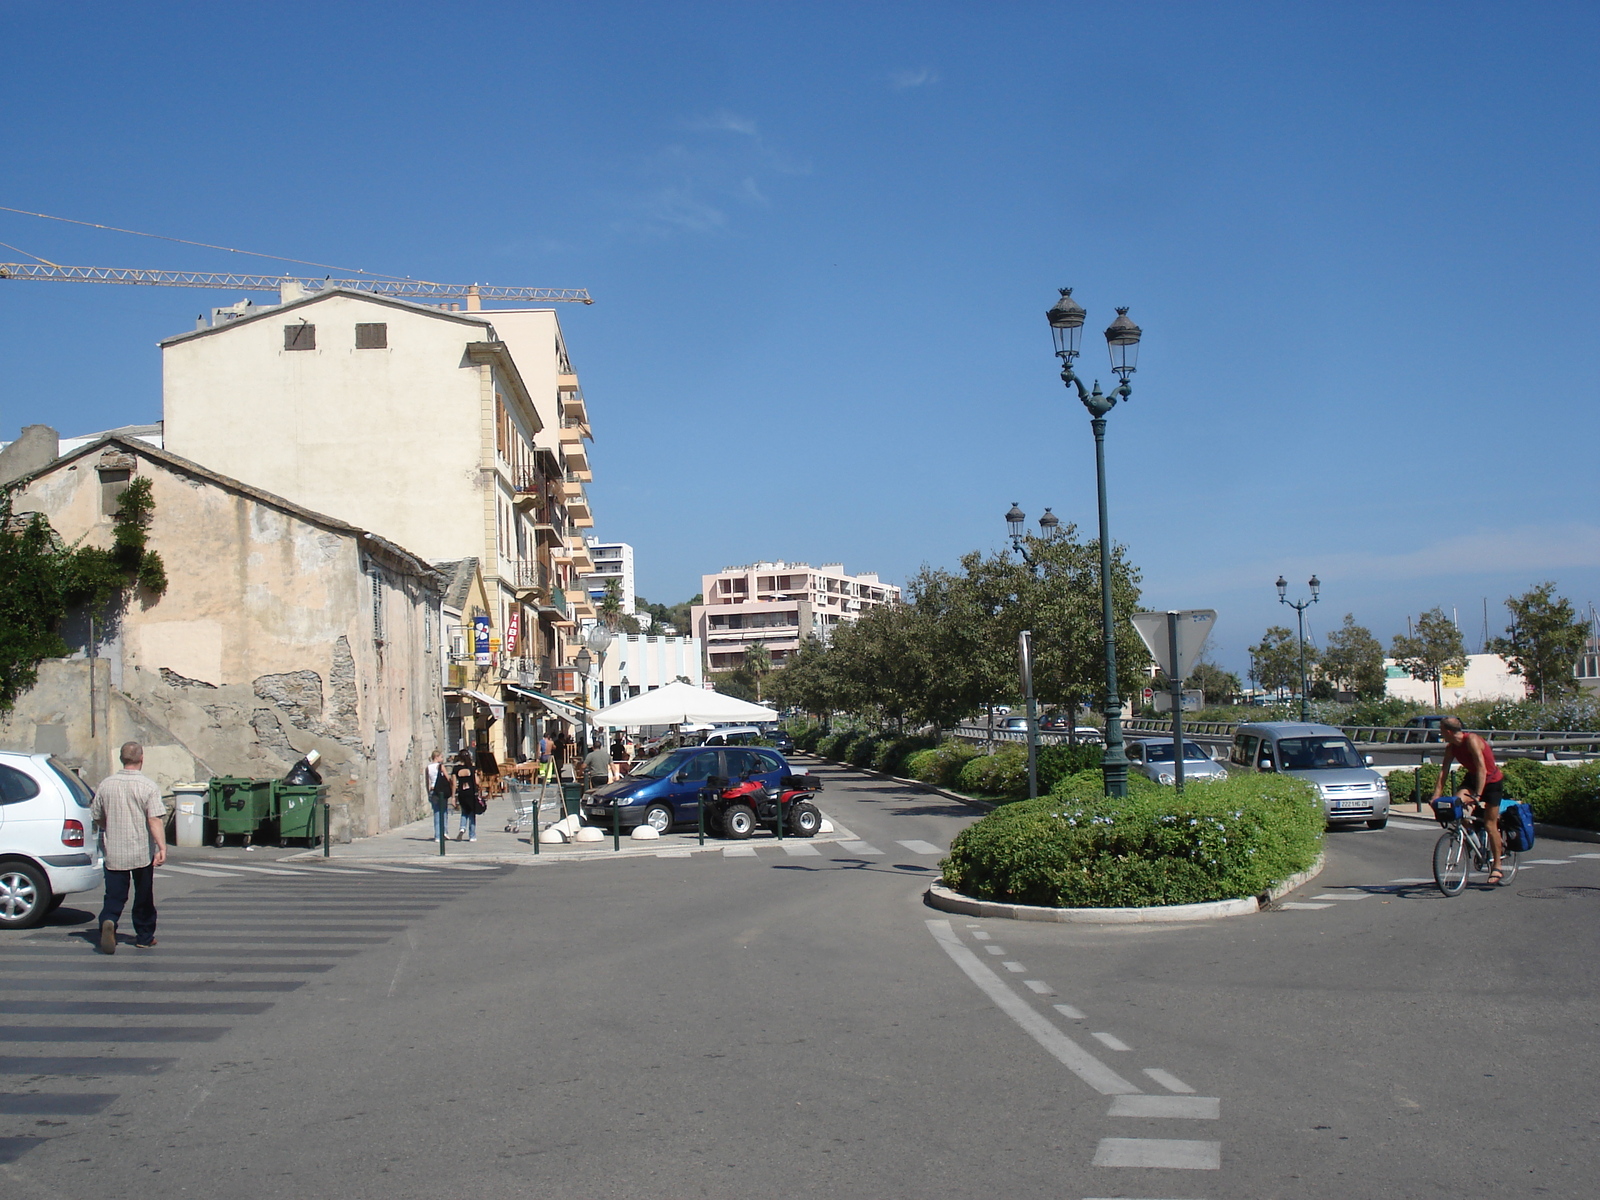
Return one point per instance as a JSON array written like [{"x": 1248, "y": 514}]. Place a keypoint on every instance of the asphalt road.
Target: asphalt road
[{"x": 802, "y": 1025}]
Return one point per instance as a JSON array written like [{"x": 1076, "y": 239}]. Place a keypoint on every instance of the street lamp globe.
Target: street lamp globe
[
  {"x": 1049, "y": 524},
  {"x": 583, "y": 662},
  {"x": 1016, "y": 519},
  {"x": 1283, "y": 587},
  {"x": 1122, "y": 339},
  {"x": 1066, "y": 324},
  {"x": 599, "y": 639},
  {"x": 1315, "y": 585}
]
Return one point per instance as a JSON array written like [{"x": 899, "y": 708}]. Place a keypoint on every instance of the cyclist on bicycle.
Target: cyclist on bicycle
[{"x": 1485, "y": 782}]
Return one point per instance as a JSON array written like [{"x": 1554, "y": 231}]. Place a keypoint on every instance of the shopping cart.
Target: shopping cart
[{"x": 534, "y": 805}]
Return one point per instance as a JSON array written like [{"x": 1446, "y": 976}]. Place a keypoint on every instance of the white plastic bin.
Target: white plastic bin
[{"x": 189, "y": 822}]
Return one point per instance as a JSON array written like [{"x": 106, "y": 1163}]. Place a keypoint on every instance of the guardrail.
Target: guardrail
[{"x": 1367, "y": 736}]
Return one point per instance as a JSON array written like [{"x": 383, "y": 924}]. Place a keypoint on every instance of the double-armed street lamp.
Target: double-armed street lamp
[
  {"x": 1016, "y": 525},
  {"x": 1300, "y": 607},
  {"x": 599, "y": 640},
  {"x": 1122, "y": 340}
]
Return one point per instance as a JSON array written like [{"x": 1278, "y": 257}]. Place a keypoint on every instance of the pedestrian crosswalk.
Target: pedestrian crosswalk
[
  {"x": 76, "y": 1024},
  {"x": 798, "y": 848}
]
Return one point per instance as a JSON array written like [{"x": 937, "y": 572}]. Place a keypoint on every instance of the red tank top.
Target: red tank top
[{"x": 1491, "y": 770}]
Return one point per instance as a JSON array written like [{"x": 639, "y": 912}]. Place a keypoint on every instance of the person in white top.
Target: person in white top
[{"x": 128, "y": 810}]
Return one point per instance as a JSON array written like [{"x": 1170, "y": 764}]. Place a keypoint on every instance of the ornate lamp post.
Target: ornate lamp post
[
  {"x": 1122, "y": 340},
  {"x": 1016, "y": 524},
  {"x": 1300, "y": 607},
  {"x": 583, "y": 662}
]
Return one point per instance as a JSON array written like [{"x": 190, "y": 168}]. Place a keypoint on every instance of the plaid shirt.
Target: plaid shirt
[{"x": 124, "y": 802}]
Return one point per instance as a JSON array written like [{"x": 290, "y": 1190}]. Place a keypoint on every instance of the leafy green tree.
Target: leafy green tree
[
  {"x": 1433, "y": 647},
  {"x": 1275, "y": 660},
  {"x": 806, "y": 681},
  {"x": 1543, "y": 641},
  {"x": 1354, "y": 660},
  {"x": 677, "y": 616},
  {"x": 1218, "y": 686}
]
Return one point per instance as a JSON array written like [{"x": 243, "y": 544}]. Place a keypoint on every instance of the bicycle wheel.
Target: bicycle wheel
[
  {"x": 1450, "y": 862},
  {"x": 1508, "y": 866}
]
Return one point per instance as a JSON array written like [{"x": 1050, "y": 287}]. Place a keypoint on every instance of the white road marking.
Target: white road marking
[
  {"x": 1168, "y": 1080},
  {"x": 995, "y": 949},
  {"x": 1039, "y": 986},
  {"x": 1189, "y": 1108},
  {"x": 738, "y": 852},
  {"x": 194, "y": 871},
  {"x": 1015, "y": 968},
  {"x": 257, "y": 870},
  {"x": 674, "y": 854},
  {"x": 1110, "y": 1042},
  {"x": 919, "y": 847},
  {"x": 863, "y": 849},
  {"x": 450, "y": 866},
  {"x": 399, "y": 870},
  {"x": 1302, "y": 904},
  {"x": 340, "y": 870},
  {"x": 1429, "y": 880},
  {"x": 1159, "y": 1152},
  {"x": 1066, "y": 1051},
  {"x": 1343, "y": 896},
  {"x": 800, "y": 849},
  {"x": 1545, "y": 862},
  {"x": 1072, "y": 1014},
  {"x": 1586, "y": 856},
  {"x": 980, "y": 936}
]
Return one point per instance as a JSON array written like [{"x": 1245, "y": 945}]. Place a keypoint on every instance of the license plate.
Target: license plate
[{"x": 1350, "y": 804}]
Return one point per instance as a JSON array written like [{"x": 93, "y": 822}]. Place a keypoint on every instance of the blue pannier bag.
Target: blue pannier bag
[{"x": 1516, "y": 826}]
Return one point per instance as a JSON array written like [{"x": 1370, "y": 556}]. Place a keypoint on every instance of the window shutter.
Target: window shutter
[
  {"x": 372, "y": 335},
  {"x": 299, "y": 337}
]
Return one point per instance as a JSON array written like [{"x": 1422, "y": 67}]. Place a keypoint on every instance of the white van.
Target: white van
[{"x": 48, "y": 844}]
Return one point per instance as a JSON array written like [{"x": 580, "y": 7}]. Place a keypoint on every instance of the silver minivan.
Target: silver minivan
[{"x": 1324, "y": 757}]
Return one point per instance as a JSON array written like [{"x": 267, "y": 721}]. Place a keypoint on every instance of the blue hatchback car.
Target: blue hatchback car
[{"x": 667, "y": 787}]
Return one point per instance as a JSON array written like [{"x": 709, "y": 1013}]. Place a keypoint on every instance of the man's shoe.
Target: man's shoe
[
  {"x": 144, "y": 945},
  {"x": 108, "y": 937},
  {"x": 460, "y": 833},
  {"x": 473, "y": 838}
]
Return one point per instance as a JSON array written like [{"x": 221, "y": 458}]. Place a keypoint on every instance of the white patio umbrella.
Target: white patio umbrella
[{"x": 677, "y": 702}]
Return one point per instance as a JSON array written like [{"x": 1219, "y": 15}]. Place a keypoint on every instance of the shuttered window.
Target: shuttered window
[
  {"x": 299, "y": 337},
  {"x": 373, "y": 335}
]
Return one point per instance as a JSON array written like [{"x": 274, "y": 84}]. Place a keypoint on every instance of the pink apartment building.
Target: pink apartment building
[{"x": 779, "y": 604}]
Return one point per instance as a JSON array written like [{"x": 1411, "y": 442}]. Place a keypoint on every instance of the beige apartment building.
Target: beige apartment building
[
  {"x": 779, "y": 604},
  {"x": 458, "y": 434}
]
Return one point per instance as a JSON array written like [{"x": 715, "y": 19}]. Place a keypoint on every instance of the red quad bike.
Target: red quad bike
[{"x": 736, "y": 810}]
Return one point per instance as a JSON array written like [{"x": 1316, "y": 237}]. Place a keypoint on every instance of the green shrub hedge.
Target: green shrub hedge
[
  {"x": 1560, "y": 794},
  {"x": 1217, "y": 841},
  {"x": 1003, "y": 774},
  {"x": 893, "y": 753},
  {"x": 1060, "y": 762},
  {"x": 863, "y": 750},
  {"x": 808, "y": 738},
  {"x": 942, "y": 765},
  {"x": 831, "y": 745}
]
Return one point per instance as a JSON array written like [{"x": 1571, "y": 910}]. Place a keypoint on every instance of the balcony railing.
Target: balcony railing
[{"x": 532, "y": 575}]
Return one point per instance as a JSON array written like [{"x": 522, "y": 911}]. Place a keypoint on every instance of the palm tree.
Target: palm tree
[{"x": 757, "y": 665}]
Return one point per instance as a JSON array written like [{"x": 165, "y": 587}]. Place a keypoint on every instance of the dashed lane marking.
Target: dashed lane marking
[
  {"x": 1412, "y": 880},
  {"x": 1545, "y": 862},
  {"x": 1039, "y": 987},
  {"x": 864, "y": 849},
  {"x": 995, "y": 949},
  {"x": 1110, "y": 1041},
  {"x": 1343, "y": 896},
  {"x": 920, "y": 847},
  {"x": 800, "y": 849},
  {"x": 1300, "y": 904},
  {"x": 255, "y": 870},
  {"x": 1586, "y": 856},
  {"x": 1186, "y": 1108},
  {"x": 980, "y": 936},
  {"x": 190, "y": 871},
  {"x": 1168, "y": 1080},
  {"x": 400, "y": 870},
  {"x": 738, "y": 852},
  {"x": 1015, "y": 968},
  {"x": 1067, "y": 1011},
  {"x": 1159, "y": 1152},
  {"x": 1066, "y": 1051},
  {"x": 674, "y": 854}
]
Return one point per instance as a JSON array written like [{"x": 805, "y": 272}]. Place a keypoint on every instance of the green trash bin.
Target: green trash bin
[
  {"x": 239, "y": 806},
  {"x": 572, "y": 794},
  {"x": 297, "y": 808}
]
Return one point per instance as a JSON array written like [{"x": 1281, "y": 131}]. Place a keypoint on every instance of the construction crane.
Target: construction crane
[{"x": 411, "y": 289}]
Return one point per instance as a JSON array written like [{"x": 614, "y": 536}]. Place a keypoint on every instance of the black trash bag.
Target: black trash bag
[{"x": 304, "y": 771}]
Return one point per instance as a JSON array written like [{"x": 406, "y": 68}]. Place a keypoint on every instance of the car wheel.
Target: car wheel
[
  {"x": 739, "y": 821},
  {"x": 804, "y": 819},
  {"x": 659, "y": 818},
  {"x": 1378, "y": 824},
  {"x": 55, "y": 903},
  {"x": 24, "y": 895}
]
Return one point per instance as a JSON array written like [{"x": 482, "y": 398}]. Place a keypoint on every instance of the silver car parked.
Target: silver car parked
[
  {"x": 1324, "y": 757},
  {"x": 1152, "y": 758}
]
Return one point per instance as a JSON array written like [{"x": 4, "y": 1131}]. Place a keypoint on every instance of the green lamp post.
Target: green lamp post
[
  {"x": 1122, "y": 340},
  {"x": 1300, "y": 607}
]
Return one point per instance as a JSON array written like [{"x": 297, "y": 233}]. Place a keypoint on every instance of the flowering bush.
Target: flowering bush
[{"x": 1079, "y": 849}]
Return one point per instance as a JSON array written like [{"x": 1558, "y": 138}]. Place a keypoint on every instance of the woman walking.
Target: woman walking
[
  {"x": 437, "y": 779},
  {"x": 469, "y": 799}
]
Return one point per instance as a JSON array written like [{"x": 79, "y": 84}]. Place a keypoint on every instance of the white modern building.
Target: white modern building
[
  {"x": 613, "y": 561},
  {"x": 639, "y": 662},
  {"x": 1487, "y": 677},
  {"x": 779, "y": 604}
]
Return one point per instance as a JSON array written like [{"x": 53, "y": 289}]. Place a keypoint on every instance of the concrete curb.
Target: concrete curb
[
  {"x": 940, "y": 897},
  {"x": 1556, "y": 833},
  {"x": 552, "y": 854}
]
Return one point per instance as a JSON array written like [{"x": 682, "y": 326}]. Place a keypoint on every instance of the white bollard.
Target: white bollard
[
  {"x": 589, "y": 833},
  {"x": 552, "y": 836},
  {"x": 643, "y": 833},
  {"x": 826, "y": 826}
]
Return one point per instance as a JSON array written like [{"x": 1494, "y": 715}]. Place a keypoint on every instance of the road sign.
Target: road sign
[
  {"x": 1149, "y": 693},
  {"x": 1194, "y": 627}
]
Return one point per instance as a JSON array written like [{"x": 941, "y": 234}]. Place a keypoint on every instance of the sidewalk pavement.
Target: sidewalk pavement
[{"x": 406, "y": 843}]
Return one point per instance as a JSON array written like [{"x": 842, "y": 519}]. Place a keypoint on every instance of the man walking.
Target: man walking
[
  {"x": 597, "y": 766},
  {"x": 128, "y": 811}
]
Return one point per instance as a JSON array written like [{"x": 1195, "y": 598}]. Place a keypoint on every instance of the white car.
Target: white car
[{"x": 48, "y": 844}]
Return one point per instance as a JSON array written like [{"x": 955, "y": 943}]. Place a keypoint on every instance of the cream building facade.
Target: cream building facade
[
  {"x": 281, "y": 631},
  {"x": 779, "y": 604},
  {"x": 458, "y": 434}
]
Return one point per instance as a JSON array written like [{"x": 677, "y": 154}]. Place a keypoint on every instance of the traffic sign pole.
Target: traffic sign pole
[{"x": 1177, "y": 703}]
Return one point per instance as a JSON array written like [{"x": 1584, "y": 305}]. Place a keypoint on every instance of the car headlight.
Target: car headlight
[
  {"x": 1165, "y": 777},
  {"x": 1222, "y": 773}
]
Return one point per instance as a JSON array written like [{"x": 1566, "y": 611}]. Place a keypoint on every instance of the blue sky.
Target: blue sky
[{"x": 1360, "y": 239}]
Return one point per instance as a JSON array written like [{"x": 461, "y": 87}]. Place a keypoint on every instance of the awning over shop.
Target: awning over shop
[
  {"x": 496, "y": 709},
  {"x": 677, "y": 702},
  {"x": 570, "y": 712}
]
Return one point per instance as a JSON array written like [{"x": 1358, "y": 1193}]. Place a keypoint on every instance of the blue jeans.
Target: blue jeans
[
  {"x": 469, "y": 822},
  {"x": 144, "y": 900},
  {"x": 441, "y": 821}
]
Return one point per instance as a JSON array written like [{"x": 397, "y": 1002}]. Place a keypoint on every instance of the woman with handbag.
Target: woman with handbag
[
  {"x": 436, "y": 776},
  {"x": 469, "y": 797}
]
